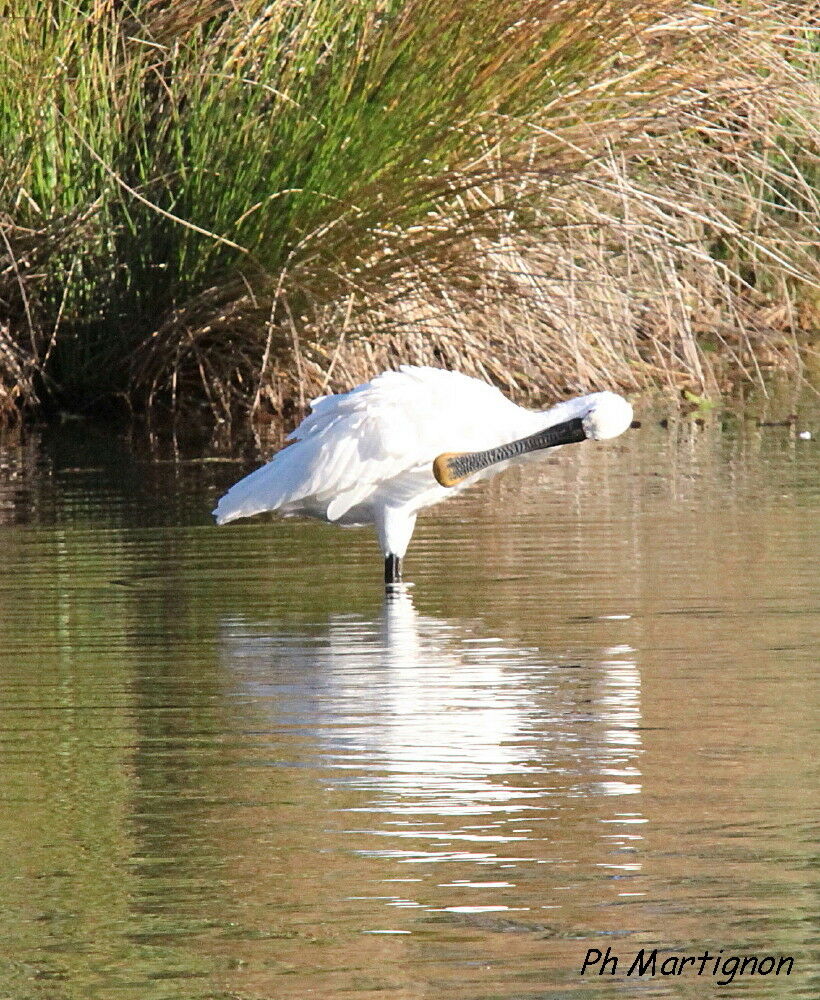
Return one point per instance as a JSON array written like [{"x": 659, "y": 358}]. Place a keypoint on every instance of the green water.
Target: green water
[{"x": 230, "y": 769}]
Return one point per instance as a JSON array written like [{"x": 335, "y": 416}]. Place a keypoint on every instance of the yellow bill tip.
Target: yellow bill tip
[{"x": 443, "y": 471}]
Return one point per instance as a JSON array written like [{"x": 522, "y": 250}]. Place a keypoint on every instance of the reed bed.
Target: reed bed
[{"x": 233, "y": 206}]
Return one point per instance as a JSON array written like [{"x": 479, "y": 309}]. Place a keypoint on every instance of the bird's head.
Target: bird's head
[{"x": 608, "y": 416}]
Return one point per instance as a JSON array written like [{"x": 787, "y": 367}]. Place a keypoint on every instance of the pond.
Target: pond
[{"x": 230, "y": 768}]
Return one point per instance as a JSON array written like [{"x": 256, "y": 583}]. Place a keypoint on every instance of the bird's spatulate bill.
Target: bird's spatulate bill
[{"x": 452, "y": 467}]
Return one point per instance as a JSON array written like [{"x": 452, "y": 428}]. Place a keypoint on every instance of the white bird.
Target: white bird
[{"x": 406, "y": 440}]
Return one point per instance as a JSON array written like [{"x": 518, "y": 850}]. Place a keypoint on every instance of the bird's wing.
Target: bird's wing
[{"x": 350, "y": 444}]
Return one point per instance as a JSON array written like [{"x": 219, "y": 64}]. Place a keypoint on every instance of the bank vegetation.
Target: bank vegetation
[{"x": 234, "y": 206}]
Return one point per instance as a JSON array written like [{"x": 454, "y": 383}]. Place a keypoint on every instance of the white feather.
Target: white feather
[{"x": 366, "y": 456}]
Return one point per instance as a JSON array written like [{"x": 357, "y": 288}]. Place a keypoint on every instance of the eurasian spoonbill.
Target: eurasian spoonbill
[{"x": 403, "y": 441}]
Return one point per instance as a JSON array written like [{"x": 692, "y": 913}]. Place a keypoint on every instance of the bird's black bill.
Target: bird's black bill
[
  {"x": 392, "y": 569},
  {"x": 451, "y": 467}
]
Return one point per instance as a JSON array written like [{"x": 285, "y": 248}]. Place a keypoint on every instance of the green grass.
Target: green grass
[{"x": 235, "y": 204}]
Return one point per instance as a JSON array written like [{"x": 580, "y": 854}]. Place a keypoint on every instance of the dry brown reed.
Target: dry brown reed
[{"x": 650, "y": 217}]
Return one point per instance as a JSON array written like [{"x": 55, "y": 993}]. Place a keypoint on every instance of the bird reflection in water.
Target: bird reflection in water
[{"x": 435, "y": 719}]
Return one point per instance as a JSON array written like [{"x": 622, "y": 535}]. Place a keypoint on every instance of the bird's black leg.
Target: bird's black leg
[{"x": 392, "y": 569}]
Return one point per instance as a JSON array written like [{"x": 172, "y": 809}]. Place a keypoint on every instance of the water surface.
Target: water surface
[{"x": 230, "y": 769}]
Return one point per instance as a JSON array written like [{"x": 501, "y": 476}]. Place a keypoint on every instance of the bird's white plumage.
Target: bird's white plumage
[{"x": 365, "y": 456}]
